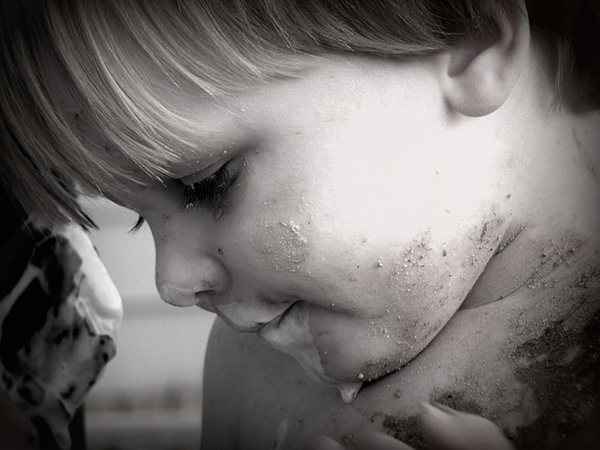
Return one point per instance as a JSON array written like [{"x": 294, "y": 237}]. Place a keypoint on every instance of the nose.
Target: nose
[
  {"x": 190, "y": 271},
  {"x": 188, "y": 280},
  {"x": 203, "y": 280}
]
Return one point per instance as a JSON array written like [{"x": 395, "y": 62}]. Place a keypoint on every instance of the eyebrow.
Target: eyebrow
[{"x": 213, "y": 147}]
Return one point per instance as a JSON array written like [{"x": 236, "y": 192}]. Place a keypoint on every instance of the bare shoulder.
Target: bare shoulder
[
  {"x": 256, "y": 397},
  {"x": 222, "y": 387},
  {"x": 246, "y": 387}
]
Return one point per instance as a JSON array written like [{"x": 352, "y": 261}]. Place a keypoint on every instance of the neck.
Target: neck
[
  {"x": 554, "y": 236},
  {"x": 532, "y": 260}
]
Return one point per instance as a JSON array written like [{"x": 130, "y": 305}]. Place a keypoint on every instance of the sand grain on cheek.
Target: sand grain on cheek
[
  {"x": 430, "y": 282},
  {"x": 283, "y": 244}
]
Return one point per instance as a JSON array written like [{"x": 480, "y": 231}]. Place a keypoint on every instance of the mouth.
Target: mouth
[
  {"x": 276, "y": 323},
  {"x": 257, "y": 326},
  {"x": 290, "y": 333}
]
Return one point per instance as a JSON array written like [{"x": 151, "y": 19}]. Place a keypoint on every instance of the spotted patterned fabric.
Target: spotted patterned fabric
[{"x": 59, "y": 314}]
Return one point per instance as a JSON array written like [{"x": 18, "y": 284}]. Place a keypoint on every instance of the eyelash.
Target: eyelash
[
  {"x": 209, "y": 190},
  {"x": 138, "y": 224}
]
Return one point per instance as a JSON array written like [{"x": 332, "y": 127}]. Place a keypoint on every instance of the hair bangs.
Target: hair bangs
[
  {"x": 28, "y": 123},
  {"x": 130, "y": 76}
]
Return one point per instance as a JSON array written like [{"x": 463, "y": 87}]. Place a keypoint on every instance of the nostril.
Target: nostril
[
  {"x": 207, "y": 285},
  {"x": 177, "y": 296},
  {"x": 205, "y": 301},
  {"x": 185, "y": 279}
]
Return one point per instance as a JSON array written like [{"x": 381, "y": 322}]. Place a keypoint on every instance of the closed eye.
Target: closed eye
[{"x": 209, "y": 190}]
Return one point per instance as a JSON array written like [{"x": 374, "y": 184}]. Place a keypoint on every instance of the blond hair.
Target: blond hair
[{"x": 98, "y": 52}]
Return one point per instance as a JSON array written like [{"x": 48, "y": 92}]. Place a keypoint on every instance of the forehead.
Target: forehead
[{"x": 208, "y": 121}]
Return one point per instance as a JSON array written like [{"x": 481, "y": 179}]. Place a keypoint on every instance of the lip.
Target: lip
[
  {"x": 258, "y": 326},
  {"x": 277, "y": 321}
]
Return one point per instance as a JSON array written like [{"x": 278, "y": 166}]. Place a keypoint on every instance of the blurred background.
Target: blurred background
[{"x": 150, "y": 395}]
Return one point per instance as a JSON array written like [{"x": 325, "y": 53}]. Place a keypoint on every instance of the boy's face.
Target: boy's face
[{"x": 356, "y": 204}]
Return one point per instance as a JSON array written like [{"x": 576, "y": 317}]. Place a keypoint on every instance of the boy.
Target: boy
[{"x": 385, "y": 204}]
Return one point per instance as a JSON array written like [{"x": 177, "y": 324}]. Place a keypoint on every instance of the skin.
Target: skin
[
  {"x": 425, "y": 241},
  {"x": 347, "y": 201},
  {"x": 331, "y": 241}
]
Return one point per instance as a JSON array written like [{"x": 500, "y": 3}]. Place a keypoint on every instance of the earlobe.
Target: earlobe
[{"x": 482, "y": 71}]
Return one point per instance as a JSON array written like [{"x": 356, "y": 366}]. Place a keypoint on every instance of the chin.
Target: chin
[
  {"x": 343, "y": 351},
  {"x": 349, "y": 373},
  {"x": 366, "y": 349},
  {"x": 291, "y": 334}
]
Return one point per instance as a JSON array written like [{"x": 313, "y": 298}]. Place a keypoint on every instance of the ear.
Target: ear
[{"x": 482, "y": 71}]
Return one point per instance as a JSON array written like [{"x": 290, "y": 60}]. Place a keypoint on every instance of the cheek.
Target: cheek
[
  {"x": 277, "y": 230},
  {"x": 397, "y": 204},
  {"x": 400, "y": 303},
  {"x": 401, "y": 180},
  {"x": 281, "y": 242}
]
